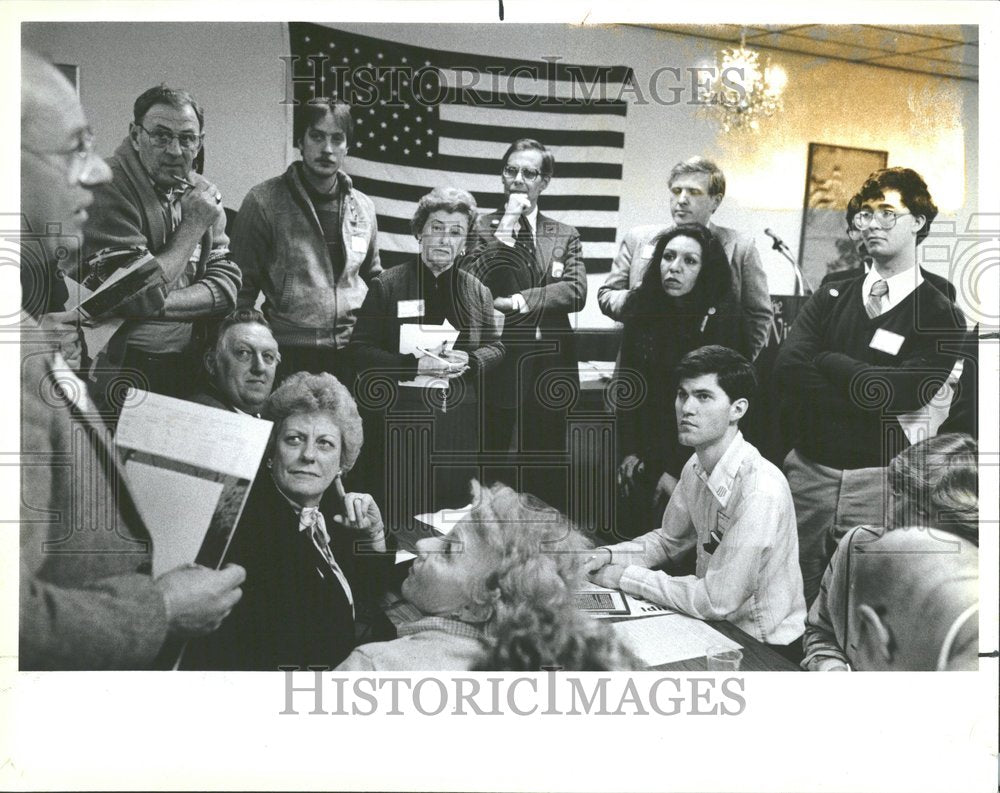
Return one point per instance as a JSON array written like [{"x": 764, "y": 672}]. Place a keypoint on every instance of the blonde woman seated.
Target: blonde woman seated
[
  {"x": 313, "y": 559},
  {"x": 511, "y": 552}
]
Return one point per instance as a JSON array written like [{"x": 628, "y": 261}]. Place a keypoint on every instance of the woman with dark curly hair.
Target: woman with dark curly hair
[
  {"x": 683, "y": 304},
  {"x": 312, "y": 555}
]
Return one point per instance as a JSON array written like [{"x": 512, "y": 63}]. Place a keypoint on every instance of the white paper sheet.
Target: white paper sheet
[
  {"x": 444, "y": 520},
  {"x": 177, "y": 532},
  {"x": 430, "y": 337},
  {"x": 673, "y": 637}
]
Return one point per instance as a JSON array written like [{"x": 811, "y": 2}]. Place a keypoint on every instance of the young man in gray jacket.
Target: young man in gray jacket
[{"x": 309, "y": 241}]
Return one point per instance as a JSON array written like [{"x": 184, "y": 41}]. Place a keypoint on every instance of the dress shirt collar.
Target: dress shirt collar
[
  {"x": 720, "y": 482},
  {"x": 449, "y": 625},
  {"x": 900, "y": 286}
]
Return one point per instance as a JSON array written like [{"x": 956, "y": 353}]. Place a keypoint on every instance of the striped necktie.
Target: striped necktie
[
  {"x": 873, "y": 306},
  {"x": 525, "y": 239},
  {"x": 311, "y": 520}
]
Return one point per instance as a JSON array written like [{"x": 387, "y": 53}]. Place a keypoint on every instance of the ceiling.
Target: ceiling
[{"x": 940, "y": 50}]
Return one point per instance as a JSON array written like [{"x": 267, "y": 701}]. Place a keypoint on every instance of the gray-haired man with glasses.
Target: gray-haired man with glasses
[
  {"x": 863, "y": 351},
  {"x": 158, "y": 207},
  {"x": 533, "y": 266}
]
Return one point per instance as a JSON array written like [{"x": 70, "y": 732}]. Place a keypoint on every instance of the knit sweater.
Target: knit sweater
[{"x": 845, "y": 392}]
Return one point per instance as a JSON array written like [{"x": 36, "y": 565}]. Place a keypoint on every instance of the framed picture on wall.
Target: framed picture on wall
[{"x": 833, "y": 175}]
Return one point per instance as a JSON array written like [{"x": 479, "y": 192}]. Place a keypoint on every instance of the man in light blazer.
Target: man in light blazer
[
  {"x": 697, "y": 187},
  {"x": 533, "y": 266}
]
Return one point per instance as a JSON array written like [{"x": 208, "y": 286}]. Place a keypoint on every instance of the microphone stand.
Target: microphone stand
[{"x": 802, "y": 286}]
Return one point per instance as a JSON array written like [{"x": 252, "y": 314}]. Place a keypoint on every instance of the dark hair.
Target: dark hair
[
  {"x": 530, "y": 144},
  {"x": 713, "y": 282},
  {"x": 241, "y": 316},
  {"x": 735, "y": 373},
  {"x": 912, "y": 189},
  {"x": 853, "y": 207},
  {"x": 935, "y": 484},
  {"x": 162, "y": 95},
  {"x": 314, "y": 111},
  {"x": 698, "y": 164}
]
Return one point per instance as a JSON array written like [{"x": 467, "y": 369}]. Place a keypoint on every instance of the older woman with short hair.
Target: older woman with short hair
[
  {"x": 511, "y": 553},
  {"x": 934, "y": 487},
  {"x": 310, "y": 553}
]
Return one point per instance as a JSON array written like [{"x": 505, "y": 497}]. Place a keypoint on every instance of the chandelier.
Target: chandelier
[{"x": 746, "y": 88}]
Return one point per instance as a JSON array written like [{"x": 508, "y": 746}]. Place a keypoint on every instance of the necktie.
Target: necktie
[
  {"x": 311, "y": 520},
  {"x": 874, "y": 303},
  {"x": 174, "y": 206},
  {"x": 524, "y": 238}
]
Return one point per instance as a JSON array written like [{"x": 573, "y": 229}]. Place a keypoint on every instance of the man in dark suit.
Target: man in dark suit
[
  {"x": 533, "y": 266},
  {"x": 241, "y": 364},
  {"x": 87, "y": 599}
]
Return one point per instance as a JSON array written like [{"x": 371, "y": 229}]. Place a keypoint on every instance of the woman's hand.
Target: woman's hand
[
  {"x": 628, "y": 474},
  {"x": 363, "y": 515}
]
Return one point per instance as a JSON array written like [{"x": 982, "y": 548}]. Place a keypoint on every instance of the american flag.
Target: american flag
[{"x": 431, "y": 118}]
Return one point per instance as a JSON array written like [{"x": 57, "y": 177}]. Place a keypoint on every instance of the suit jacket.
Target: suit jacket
[
  {"x": 553, "y": 285},
  {"x": 749, "y": 281},
  {"x": 87, "y": 600},
  {"x": 294, "y": 612},
  {"x": 943, "y": 285},
  {"x": 375, "y": 341}
]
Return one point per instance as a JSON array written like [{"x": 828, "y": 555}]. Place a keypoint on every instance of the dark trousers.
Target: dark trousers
[
  {"x": 793, "y": 652},
  {"x": 173, "y": 374},
  {"x": 315, "y": 360}
]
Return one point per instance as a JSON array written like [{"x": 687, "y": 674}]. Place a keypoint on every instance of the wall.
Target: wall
[{"x": 925, "y": 122}]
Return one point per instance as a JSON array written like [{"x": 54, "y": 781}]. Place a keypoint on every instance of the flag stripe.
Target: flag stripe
[
  {"x": 528, "y": 92},
  {"x": 540, "y": 120},
  {"x": 566, "y": 137},
  {"x": 563, "y": 154},
  {"x": 479, "y": 99}
]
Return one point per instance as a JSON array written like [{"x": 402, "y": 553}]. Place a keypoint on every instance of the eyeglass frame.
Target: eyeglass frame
[
  {"x": 199, "y": 138},
  {"x": 78, "y": 156},
  {"x": 523, "y": 172},
  {"x": 874, "y": 213}
]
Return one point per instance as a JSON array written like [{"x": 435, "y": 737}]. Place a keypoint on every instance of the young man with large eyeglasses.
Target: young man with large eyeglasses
[
  {"x": 158, "y": 207},
  {"x": 533, "y": 266},
  {"x": 862, "y": 352}
]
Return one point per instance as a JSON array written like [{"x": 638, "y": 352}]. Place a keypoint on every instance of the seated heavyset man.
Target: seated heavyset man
[
  {"x": 861, "y": 353},
  {"x": 240, "y": 364},
  {"x": 309, "y": 240},
  {"x": 934, "y": 486},
  {"x": 697, "y": 187},
  {"x": 731, "y": 504},
  {"x": 157, "y": 206},
  {"x": 87, "y": 600},
  {"x": 509, "y": 553}
]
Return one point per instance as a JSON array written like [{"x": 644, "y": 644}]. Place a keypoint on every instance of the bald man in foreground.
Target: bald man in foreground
[{"x": 87, "y": 599}]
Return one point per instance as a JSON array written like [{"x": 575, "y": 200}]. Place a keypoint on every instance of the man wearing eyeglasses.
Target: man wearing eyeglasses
[
  {"x": 861, "y": 353},
  {"x": 158, "y": 207},
  {"x": 87, "y": 600},
  {"x": 533, "y": 266}
]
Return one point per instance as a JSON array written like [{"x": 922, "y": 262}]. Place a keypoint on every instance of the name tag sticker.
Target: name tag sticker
[
  {"x": 647, "y": 251},
  {"x": 557, "y": 269},
  {"x": 409, "y": 308},
  {"x": 359, "y": 244},
  {"x": 887, "y": 341}
]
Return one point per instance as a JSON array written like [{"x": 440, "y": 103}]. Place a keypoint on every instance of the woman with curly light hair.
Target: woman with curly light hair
[
  {"x": 313, "y": 554},
  {"x": 511, "y": 554}
]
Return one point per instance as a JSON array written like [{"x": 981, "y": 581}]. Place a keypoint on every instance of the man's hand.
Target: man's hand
[
  {"x": 363, "y": 515},
  {"x": 439, "y": 368},
  {"x": 832, "y": 665},
  {"x": 504, "y": 305},
  {"x": 609, "y": 576},
  {"x": 629, "y": 472},
  {"x": 516, "y": 206},
  {"x": 65, "y": 324},
  {"x": 199, "y": 599},
  {"x": 598, "y": 559},
  {"x": 201, "y": 206},
  {"x": 663, "y": 491}
]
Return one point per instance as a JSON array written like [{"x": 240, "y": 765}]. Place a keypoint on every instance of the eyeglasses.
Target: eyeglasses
[
  {"x": 528, "y": 174},
  {"x": 162, "y": 138},
  {"x": 77, "y": 155},
  {"x": 885, "y": 218}
]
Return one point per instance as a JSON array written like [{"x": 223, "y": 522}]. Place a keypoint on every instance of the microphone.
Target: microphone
[{"x": 779, "y": 244}]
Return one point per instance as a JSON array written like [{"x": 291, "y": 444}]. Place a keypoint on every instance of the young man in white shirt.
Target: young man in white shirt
[{"x": 730, "y": 503}]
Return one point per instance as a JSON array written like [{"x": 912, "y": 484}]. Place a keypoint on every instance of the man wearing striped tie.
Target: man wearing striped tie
[{"x": 861, "y": 353}]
